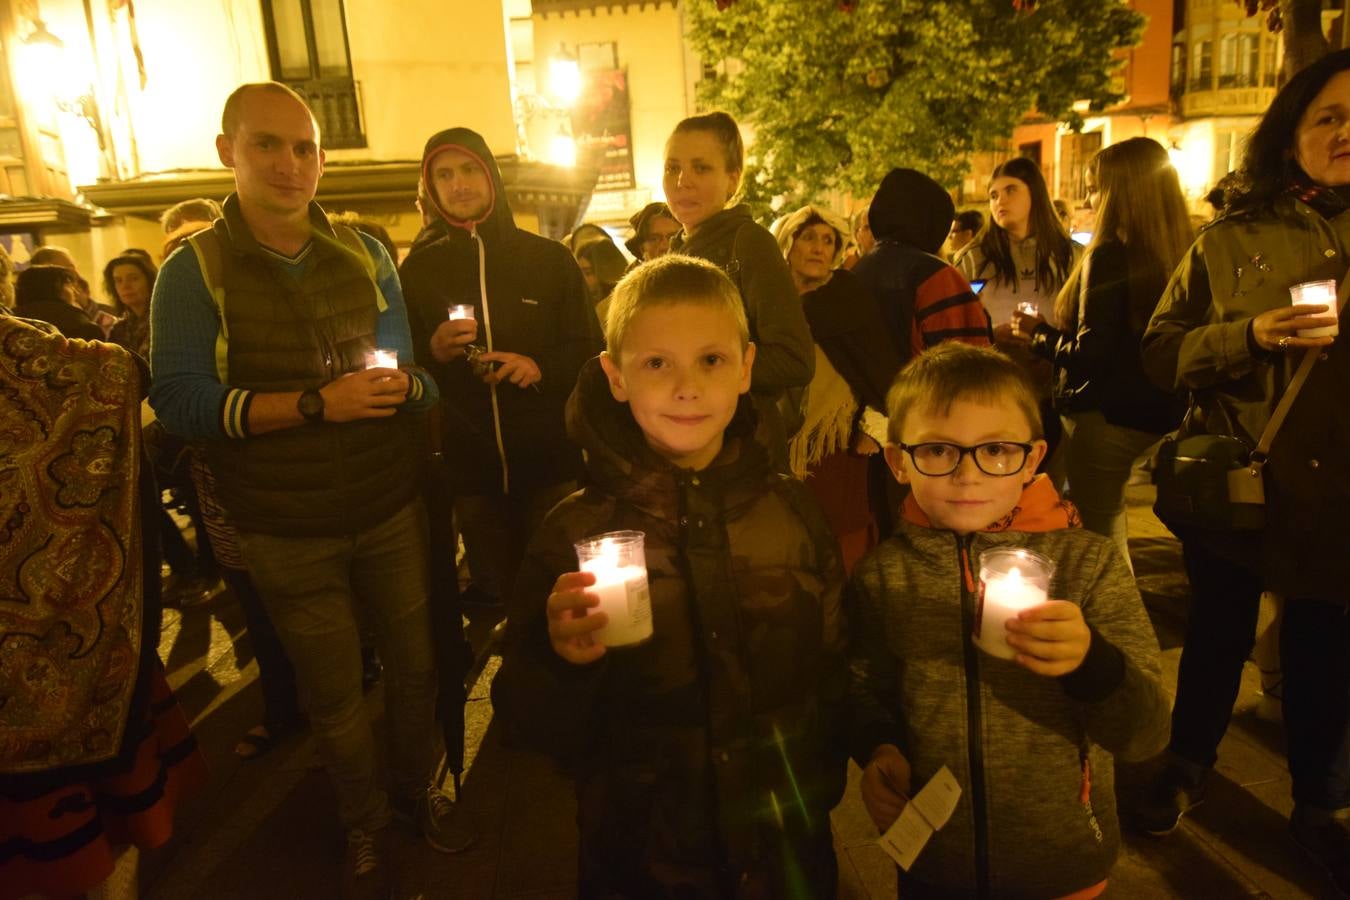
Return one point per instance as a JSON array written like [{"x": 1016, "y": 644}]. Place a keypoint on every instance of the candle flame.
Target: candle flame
[{"x": 1014, "y": 577}]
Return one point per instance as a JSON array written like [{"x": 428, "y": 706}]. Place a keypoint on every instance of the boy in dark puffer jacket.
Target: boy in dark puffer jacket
[{"x": 702, "y": 756}]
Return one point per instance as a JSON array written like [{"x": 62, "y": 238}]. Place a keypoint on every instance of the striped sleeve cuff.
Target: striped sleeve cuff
[
  {"x": 415, "y": 388},
  {"x": 234, "y": 413}
]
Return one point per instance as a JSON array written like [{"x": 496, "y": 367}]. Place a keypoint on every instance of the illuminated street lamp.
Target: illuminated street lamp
[
  {"x": 562, "y": 150},
  {"x": 47, "y": 68},
  {"x": 564, "y": 78}
]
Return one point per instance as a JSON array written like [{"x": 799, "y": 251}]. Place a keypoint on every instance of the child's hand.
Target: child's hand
[
  {"x": 885, "y": 785},
  {"x": 570, "y": 629},
  {"x": 1050, "y": 639}
]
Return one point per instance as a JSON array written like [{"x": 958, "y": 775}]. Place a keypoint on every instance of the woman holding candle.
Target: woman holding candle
[
  {"x": 1023, "y": 255},
  {"x": 702, "y": 754},
  {"x": 843, "y": 428},
  {"x": 1111, "y": 411},
  {"x": 704, "y": 161},
  {"x": 1225, "y": 330}
]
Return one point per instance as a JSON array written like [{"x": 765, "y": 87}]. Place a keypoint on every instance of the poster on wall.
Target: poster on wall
[{"x": 601, "y": 127}]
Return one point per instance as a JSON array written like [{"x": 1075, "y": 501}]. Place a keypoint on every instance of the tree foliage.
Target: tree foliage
[{"x": 837, "y": 98}]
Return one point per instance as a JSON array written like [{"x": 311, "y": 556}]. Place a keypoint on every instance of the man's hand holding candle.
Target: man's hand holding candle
[
  {"x": 570, "y": 629},
  {"x": 1050, "y": 638},
  {"x": 885, "y": 785},
  {"x": 451, "y": 337}
]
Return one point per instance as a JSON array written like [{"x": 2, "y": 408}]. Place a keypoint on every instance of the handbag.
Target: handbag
[{"x": 1215, "y": 482}]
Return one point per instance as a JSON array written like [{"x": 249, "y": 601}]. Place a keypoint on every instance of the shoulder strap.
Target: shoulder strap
[
  {"x": 206, "y": 245},
  {"x": 1310, "y": 356},
  {"x": 351, "y": 239}
]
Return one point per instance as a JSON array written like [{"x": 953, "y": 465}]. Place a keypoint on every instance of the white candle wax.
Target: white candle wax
[
  {"x": 624, "y": 598},
  {"x": 1317, "y": 293},
  {"x": 381, "y": 359},
  {"x": 461, "y": 311},
  {"x": 1002, "y": 597}
]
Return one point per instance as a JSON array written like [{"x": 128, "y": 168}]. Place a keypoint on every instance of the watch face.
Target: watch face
[{"x": 311, "y": 405}]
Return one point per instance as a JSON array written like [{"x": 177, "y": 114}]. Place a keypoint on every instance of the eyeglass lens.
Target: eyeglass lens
[{"x": 994, "y": 458}]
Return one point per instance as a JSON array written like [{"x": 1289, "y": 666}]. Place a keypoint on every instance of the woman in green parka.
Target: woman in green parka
[{"x": 1225, "y": 331}]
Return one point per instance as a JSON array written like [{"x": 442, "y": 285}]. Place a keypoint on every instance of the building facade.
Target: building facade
[{"x": 109, "y": 109}]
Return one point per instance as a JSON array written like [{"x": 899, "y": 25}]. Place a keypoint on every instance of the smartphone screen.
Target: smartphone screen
[{"x": 977, "y": 285}]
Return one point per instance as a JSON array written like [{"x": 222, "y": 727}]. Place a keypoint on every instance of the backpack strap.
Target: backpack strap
[
  {"x": 206, "y": 245},
  {"x": 351, "y": 240}
]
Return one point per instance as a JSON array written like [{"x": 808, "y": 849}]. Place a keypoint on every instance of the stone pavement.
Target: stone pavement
[{"x": 267, "y": 829}]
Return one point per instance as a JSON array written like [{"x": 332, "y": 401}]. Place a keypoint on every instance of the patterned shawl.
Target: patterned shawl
[{"x": 70, "y": 547}]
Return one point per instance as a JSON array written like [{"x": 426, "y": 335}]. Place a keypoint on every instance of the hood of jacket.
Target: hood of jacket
[
  {"x": 496, "y": 222},
  {"x": 911, "y": 208},
  {"x": 1040, "y": 508},
  {"x": 718, "y": 231},
  {"x": 622, "y": 464}
]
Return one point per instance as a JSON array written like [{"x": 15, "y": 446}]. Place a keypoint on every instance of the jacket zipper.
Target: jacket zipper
[
  {"x": 487, "y": 328},
  {"x": 974, "y": 748}
]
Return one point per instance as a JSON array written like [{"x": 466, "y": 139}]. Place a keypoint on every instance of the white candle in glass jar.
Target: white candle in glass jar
[
  {"x": 461, "y": 311},
  {"x": 381, "y": 359},
  {"x": 620, "y": 571},
  {"x": 1010, "y": 581},
  {"x": 1317, "y": 293}
]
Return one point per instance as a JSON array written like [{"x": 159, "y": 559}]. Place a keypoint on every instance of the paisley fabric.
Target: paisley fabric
[{"x": 70, "y": 547}]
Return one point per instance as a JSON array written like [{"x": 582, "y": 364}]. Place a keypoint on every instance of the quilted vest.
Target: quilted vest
[{"x": 279, "y": 333}]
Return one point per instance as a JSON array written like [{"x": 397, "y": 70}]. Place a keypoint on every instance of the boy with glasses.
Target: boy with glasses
[{"x": 1029, "y": 740}]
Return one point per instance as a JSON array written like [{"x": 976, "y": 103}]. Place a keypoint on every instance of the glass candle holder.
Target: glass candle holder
[
  {"x": 1011, "y": 580},
  {"x": 619, "y": 563}
]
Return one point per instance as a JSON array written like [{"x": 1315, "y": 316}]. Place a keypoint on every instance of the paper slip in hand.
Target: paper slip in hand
[{"x": 925, "y": 813}]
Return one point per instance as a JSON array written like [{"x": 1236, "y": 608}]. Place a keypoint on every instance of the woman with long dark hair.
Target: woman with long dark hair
[
  {"x": 1022, "y": 256},
  {"x": 1111, "y": 411},
  {"x": 1225, "y": 330}
]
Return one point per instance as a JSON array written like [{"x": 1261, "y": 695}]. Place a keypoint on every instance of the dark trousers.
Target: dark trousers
[
  {"x": 497, "y": 527},
  {"x": 276, "y": 675},
  {"x": 1315, "y": 651},
  {"x": 1315, "y": 654}
]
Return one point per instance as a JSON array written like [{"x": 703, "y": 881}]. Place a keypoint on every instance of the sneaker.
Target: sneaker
[
  {"x": 1173, "y": 793},
  {"x": 1327, "y": 841},
  {"x": 442, "y": 822},
  {"x": 365, "y": 871}
]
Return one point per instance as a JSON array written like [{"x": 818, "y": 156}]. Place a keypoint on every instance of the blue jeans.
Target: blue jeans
[{"x": 311, "y": 587}]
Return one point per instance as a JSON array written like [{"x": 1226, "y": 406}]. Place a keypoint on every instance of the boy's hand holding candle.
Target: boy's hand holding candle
[
  {"x": 573, "y": 619},
  {"x": 1050, "y": 639}
]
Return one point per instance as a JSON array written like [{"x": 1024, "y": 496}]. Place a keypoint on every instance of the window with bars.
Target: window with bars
[{"x": 308, "y": 50}]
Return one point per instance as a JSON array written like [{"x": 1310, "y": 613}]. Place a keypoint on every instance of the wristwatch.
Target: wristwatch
[{"x": 310, "y": 405}]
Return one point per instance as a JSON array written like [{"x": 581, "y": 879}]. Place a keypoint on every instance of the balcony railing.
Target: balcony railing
[
  {"x": 338, "y": 109},
  {"x": 1248, "y": 101}
]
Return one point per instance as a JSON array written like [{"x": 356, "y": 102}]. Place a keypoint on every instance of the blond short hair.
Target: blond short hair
[
  {"x": 936, "y": 379},
  {"x": 666, "y": 281}
]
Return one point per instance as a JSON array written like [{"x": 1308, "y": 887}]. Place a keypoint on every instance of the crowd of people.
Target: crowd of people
[{"x": 825, "y": 432}]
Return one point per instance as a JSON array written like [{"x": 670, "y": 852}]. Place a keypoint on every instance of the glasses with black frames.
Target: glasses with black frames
[{"x": 996, "y": 458}]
